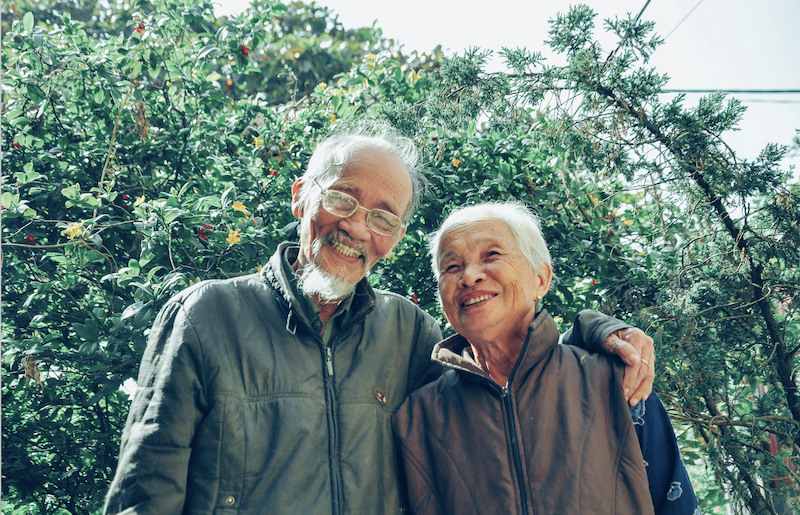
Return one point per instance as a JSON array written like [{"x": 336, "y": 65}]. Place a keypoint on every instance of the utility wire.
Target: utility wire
[
  {"x": 735, "y": 91},
  {"x": 627, "y": 35},
  {"x": 683, "y": 20}
]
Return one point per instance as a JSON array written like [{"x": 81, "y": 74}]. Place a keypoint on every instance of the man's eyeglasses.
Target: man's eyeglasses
[{"x": 343, "y": 205}]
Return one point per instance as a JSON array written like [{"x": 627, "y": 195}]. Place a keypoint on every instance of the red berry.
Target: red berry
[
  {"x": 414, "y": 298},
  {"x": 209, "y": 227},
  {"x": 592, "y": 283},
  {"x": 16, "y": 145},
  {"x": 434, "y": 138},
  {"x": 126, "y": 197},
  {"x": 30, "y": 239},
  {"x": 244, "y": 50},
  {"x": 273, "y": 173},
  {"x": 140, "y": 28}
]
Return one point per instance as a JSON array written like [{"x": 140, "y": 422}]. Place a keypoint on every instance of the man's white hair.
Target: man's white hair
[
  {"x": 332, "y": 155},
  {"x": 524, "y": 225}
]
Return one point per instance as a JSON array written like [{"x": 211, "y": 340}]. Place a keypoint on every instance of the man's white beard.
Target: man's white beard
[{"x": 314, "y": 281}]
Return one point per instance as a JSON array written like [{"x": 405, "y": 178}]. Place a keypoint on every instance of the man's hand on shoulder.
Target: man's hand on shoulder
[{"x": 638, "y": 353}]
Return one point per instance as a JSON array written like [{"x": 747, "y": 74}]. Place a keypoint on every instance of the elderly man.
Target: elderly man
[
  {"x": 273, "y": 393},
  {"x": 519, "y": 423}
]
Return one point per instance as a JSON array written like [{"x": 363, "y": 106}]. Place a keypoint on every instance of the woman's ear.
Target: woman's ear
[{"x": 545, "y": 275}]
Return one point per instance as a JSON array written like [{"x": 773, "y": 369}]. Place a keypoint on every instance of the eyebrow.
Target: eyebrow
[
  {"x": 493, "y": 244},
  {"x": 355, "y": 192}
]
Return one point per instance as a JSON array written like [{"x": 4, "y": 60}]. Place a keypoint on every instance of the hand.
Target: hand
[{"x": 637, "y": 351}]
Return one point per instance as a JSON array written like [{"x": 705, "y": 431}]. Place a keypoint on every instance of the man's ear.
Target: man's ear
[
  {"x": 297, "y": 206},
  {"x": 389, "y": 252}
]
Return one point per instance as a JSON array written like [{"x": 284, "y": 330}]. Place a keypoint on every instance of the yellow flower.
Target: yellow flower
[
  {"x": 238, "y": 206},
  {"x": 234, "y": 237},
  {"x": 258, "y": 268},
  {"x": 258, "y": 142},
  {"x": 332, "y": 117},
  {"x": 372, "y": 57},
  {"x": 593, "y": 199},
  {"x": 628, "y": 222},
  {"x": 322, "y": 85},
  {"x": 73, "y": 230},
  {"x": 415, "y": 77},
  {"x": 139, "y": 201},
  {"x": 456, "y": 162}
]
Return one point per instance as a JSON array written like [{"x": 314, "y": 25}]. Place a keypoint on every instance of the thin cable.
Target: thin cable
[
  {"x": 683, "y": 20},
  {"x": 627, "y": 34},
  {"x": 645, "y": 7},
  {"x": 735, "y": 91}
]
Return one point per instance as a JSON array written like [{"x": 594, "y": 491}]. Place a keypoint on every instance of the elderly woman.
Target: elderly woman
[{"x": 521, "y": 424}]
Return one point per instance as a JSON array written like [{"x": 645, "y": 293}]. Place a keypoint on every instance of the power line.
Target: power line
[
  {"x": 736, "y": 91},
  {"x": 683, "y": 20},
  {"x": 642, "y": 12}
]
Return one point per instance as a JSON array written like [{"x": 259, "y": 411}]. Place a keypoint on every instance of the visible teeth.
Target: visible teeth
[
  {"x": 344, "y": 249},
  {"x": 477, "y": 299}
]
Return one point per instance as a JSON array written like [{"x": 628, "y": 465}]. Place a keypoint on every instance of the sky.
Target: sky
[{"x": 709, "y": 45}]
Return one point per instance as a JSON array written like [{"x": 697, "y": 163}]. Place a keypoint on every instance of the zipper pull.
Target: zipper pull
[
  {"x": 329, "y": 360},
  {"x": 504, "y": 391}
]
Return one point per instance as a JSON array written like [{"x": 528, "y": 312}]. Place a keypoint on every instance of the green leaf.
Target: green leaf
[
  {"x": 35, "y": 92},
  {"x": 27, "y": 22},
  {"x": 132, "y": 310}
]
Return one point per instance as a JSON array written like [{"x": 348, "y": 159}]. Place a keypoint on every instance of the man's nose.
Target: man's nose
[{"x": 356, "y": 224}]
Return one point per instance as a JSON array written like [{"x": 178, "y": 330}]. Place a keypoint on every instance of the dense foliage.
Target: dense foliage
[{"x": 153, "y": 147}]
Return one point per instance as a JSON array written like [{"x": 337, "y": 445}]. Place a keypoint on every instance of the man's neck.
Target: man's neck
[{"x": 326, "y": 309}]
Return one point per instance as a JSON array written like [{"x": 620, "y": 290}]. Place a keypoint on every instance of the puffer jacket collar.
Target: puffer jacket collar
[
  {"x": 365, "y": 298},
  {"x": 455, "y": 352}
]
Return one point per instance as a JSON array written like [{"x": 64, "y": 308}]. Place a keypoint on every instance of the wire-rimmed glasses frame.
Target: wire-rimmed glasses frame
[{"x": 339, "y": 203}]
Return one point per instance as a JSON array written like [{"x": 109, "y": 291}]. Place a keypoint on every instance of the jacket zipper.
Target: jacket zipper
[
  {"x": 337, "y": 489},
  {"x": 337, "y": 486},
  {"x": 331, "y": 404},
  {"x": 512, "y": 429}
]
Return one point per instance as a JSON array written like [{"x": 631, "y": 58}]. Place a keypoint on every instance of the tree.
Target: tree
[{"x": 142, "y": 156}]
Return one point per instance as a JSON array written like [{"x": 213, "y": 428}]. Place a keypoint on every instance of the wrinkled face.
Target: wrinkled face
[
  {"x": 487, "y": 287},
  {"x": 346, "y": 247}
]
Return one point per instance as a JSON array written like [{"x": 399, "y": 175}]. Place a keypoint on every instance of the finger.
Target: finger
[
  {"x": 647, "y": 375},
  {"x": 627, "y": 352},
  {"x": 632, "y": 380}
]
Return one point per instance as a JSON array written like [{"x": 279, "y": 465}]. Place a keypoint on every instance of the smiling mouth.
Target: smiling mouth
[
  {"x": 470, "y": 302},
  {"x": 344, "y": 249}
]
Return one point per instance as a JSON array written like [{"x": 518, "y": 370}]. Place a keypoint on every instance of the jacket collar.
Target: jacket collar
[
  {"x": 455, "y": 352},
  {"x": 364, "y": 300}
]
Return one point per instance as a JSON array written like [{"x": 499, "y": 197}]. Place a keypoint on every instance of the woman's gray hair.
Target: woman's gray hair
[
  {"x": 524, "y": 225},
  {"x": 332, "y": 155}
]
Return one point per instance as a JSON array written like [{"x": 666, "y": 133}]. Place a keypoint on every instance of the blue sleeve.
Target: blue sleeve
[{"x": 670, "y": 487}]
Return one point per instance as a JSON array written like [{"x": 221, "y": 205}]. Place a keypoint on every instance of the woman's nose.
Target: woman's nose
[{"x": 473, "y": 274}]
